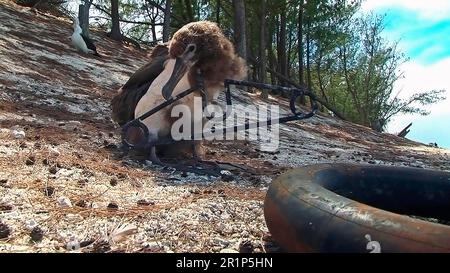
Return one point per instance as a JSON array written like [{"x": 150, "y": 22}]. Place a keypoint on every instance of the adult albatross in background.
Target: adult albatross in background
[
  {"x": 80, "y": 41},
  {"x": 172, "y": 69}
]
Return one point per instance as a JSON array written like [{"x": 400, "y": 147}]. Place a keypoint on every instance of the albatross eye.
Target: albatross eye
[{"x": 191, "y": 48}]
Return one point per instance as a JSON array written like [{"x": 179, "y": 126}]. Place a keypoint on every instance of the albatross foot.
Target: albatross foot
[{"x": 154, "y": 158}]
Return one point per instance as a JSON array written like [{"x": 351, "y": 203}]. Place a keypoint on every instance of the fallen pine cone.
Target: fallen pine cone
[
  {"x": 246, "y": 247},
  {"x": 53, "y": 170},
  {"x": 87, "y": 243},
  {"x": 145, "y": 203},
  {"x": 30, "y": 161},
  {"x": 101, "y": 247},
  {"x": 81, "y": 204},
  {"x": 49, "y": 191},
  {"x": 5, "y": 207},
  {"x": 113, "y": 206},
  {"x": 37, "y": 234},
  {"x": 5, "y": 231},
  {"x": 113, "y": 182}
]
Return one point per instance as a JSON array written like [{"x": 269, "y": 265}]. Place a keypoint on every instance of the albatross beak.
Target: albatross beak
[{"x": 182, "y": 64}]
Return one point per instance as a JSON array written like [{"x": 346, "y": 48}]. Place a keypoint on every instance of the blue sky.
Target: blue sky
[
  {"x": 423, "y": 40},
  {"x": 423, "y": 29}
]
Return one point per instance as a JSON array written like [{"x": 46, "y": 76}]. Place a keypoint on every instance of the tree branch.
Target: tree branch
[
  {"x": 313, "y": 96},
  {"x": 126, "y": 21},
  {"x": 161, "y": 8}
]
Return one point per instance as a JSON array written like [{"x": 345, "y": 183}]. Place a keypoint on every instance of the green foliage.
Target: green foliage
[{"x": 345, "y": 59}]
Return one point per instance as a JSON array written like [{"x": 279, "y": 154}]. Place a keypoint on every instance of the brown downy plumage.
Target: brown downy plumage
[{"x": 217, "y": 59}]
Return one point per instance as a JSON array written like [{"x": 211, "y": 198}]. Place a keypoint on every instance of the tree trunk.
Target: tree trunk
[
  {"x": 289, "y": 55},
  {"x": 272, "y": 63},
  {"x": 308, "y": 56},
  {"x": 350, "y": 89},
  {"x": 282, "y": 57},
  {"x": 301, "y": 76},
  {"x": 154, "y": 35},
  {"x": 255, "y": 73},
  {"x": 189, "y": 10},
  {"x": 319, "y": 75},
  {"x": 167, "y": 17},
  {"x": 404, "y": 132},
  {"x": 83, "y": 16},
  {"x": 262, "y": 48},
  {"x": 240, "y": 34},
  {"x": 218, "y": 13},
  {"x": 115, "y": 29},
  {"x": 270, "y": 50}
]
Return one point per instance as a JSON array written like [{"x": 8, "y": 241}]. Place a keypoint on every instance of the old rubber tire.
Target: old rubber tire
[{"x": 359, "y": 208}]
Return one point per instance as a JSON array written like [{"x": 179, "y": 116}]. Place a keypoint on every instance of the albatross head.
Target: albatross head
[
  {"x": 202, "y": 46},
  {"x": 76, "y": 24}
]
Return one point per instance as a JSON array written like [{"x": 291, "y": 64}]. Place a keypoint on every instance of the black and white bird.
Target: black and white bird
[{"x": 80, "y": 41}]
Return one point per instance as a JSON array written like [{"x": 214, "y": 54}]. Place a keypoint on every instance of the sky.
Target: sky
[{"x": 423, "y": 31}]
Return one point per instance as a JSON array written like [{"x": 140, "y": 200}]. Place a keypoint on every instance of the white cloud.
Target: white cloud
[
  {"x": 430, "y": 9},
  {"x": 418, "y": 78}
]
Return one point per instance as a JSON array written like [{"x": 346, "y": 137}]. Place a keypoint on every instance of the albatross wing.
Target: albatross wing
[
  {"x": 90, "y": 44},
  {"x": 124, "y": 104}
]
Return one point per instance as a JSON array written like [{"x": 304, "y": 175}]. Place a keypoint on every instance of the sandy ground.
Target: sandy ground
[{"x": 64, "y": 186}]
